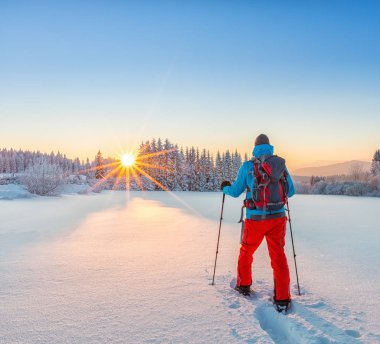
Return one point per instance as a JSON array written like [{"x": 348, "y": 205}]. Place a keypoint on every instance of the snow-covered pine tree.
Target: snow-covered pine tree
[
  {"x": 76, "y": 166},
  {"x": 227, "y": 166},
  {"x": 219, "y": 170},
  {"x": 99, "y": 172},
  {"x": 12, "y": 161},
  {"x": 201, "y": 171},
  {"x": 375, "y": 166},
  {"x": 190, "y": 168},
  {"x": 2, "y": 162},
  {"x": 7, "y": 165},
  {"x": 173, "y": 164},
  {"x": 168, "y": 163},
  {"x": 182, "y": 180},
  {"x": 160, "y": 161},
  {"x": 154, "y": 160},
  {"x": 210, "y": 172},
  {"x": 144, "y": 149},
  {"x": 236, "y": 163},
  {"x": 147, "y": 149}
]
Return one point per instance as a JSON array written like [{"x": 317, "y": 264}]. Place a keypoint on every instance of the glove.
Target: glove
[{"x": 225, "y": 183}]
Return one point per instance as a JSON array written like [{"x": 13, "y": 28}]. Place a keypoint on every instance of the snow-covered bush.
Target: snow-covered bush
[
  {"x": 302, "y": 188},
  {"x": 77, "y": 179},
  {"x": 357, "y": 188},
  {"x": 7, "y": 178},
  {"x": 374, "y": 184},
  {"x": 319, "y": 187},
  {"x": 43, "y": 178}
]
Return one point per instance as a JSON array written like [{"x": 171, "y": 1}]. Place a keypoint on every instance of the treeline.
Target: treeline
[
  {"x": 357, "y": 182},
  {"x": 164, "y": 165},
  {"x": 160, "y": 165},
  {"x": 18, "y": 161}
]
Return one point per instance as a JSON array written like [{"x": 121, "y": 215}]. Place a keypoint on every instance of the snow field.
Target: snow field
[{"x": 137, "y": 269}]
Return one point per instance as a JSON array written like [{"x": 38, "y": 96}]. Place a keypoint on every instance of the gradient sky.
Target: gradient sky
[{"x": 78, "y": 76}]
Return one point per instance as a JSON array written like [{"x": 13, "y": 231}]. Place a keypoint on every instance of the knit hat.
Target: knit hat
[{"x": 262, "y": 139}]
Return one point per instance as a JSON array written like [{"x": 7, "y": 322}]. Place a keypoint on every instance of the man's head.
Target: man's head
[{"x": 262, "y": 139}]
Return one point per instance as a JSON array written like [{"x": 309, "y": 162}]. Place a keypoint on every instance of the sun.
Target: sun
[{"x": 127, "y": 160}]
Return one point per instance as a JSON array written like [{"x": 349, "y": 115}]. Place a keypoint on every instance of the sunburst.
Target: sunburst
[
  {"x": 127, "y": 160},
  {"x": 130, "y": 166}
]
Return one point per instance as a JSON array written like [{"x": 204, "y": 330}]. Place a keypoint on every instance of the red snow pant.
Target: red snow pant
[{"x": 254, "y": 232}]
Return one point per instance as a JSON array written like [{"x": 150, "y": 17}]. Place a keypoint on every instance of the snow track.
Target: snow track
[{"x": 302, "y": 324}]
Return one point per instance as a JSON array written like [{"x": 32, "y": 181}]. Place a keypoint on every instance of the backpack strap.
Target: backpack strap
[
  {"x": 285, "y": 183},
  {"x": 258, "y": 171},
  {"x": 260, "y": 178}
]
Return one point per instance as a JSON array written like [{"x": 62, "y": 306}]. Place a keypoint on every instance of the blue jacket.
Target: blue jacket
[{"x": 245, "y": 179}]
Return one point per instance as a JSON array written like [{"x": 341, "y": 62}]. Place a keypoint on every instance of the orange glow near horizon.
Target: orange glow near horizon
[{"x": 130, "y": 165}]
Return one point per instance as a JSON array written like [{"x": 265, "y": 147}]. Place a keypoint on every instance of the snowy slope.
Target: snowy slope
[{"x": 112, "y": 268}]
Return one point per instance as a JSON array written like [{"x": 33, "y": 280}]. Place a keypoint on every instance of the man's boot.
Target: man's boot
[{"x": 244, "y": 290}]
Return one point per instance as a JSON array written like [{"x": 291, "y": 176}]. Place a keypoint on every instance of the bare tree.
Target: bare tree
[
  {"x": 356, "y": 171},
  {"x": 43, "y": 178}
]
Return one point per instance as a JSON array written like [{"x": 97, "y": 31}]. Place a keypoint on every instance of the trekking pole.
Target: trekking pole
[
  {"x": 217, "y": 245},
  {"x": 294, "y": 252}
]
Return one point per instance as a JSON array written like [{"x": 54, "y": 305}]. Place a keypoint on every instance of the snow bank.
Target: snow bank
[
  {"x": 17, "y": 191},
  {"x": 13, "y": 191}
]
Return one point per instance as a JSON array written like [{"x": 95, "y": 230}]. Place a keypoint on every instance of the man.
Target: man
[{"x": 268, "y": 185}]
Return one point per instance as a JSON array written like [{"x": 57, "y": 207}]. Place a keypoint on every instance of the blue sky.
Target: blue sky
[{"x": 79, "y": 76}]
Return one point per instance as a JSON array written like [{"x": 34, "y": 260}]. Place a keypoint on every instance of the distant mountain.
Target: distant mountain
[{"x": 333, "y": 169}]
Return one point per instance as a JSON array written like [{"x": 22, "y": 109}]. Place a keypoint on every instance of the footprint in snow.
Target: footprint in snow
[
  {"x": 353, "y": 333},
  {"x": 235, "y": 305}
]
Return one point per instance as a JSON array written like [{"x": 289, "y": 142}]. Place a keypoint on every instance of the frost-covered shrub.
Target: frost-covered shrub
[
  {"x": 357, "y": 189},
  {"x": 342, "y": 188},
  {"x": 7, "y": 178},
  {"x": 302, "y": 188},
  {"x": 43, "y": 178},
  {"x": 374, "y": 185},
  {"x": 319, "y": 187},
  {"x": 77, "y": 179},
  {"x": 334, "y": 189}
]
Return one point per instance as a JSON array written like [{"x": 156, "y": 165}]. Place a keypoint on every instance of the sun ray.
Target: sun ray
[
  {"x": 98, "y": 167},
  {"x": 170, "y": 192},
  {"x": 105, "y": 178},
  {"x": 153, "y": 166},
  {"x": 137, "y": 179},
  {"x": 118, "y": 178},
  {"x": 150, "y": 155},
  {"x": 151, "y": 178},
  {"x": 127, "y": 180},
  {"x": 136, "y": 163}
]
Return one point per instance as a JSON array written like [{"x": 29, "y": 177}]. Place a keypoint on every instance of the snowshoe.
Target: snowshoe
[
  {"x": 282, "y": 306},
  {"x": 244, "y": 290}
]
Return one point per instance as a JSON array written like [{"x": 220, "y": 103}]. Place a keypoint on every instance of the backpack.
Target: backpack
[{"x": 270, "y": 190}]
